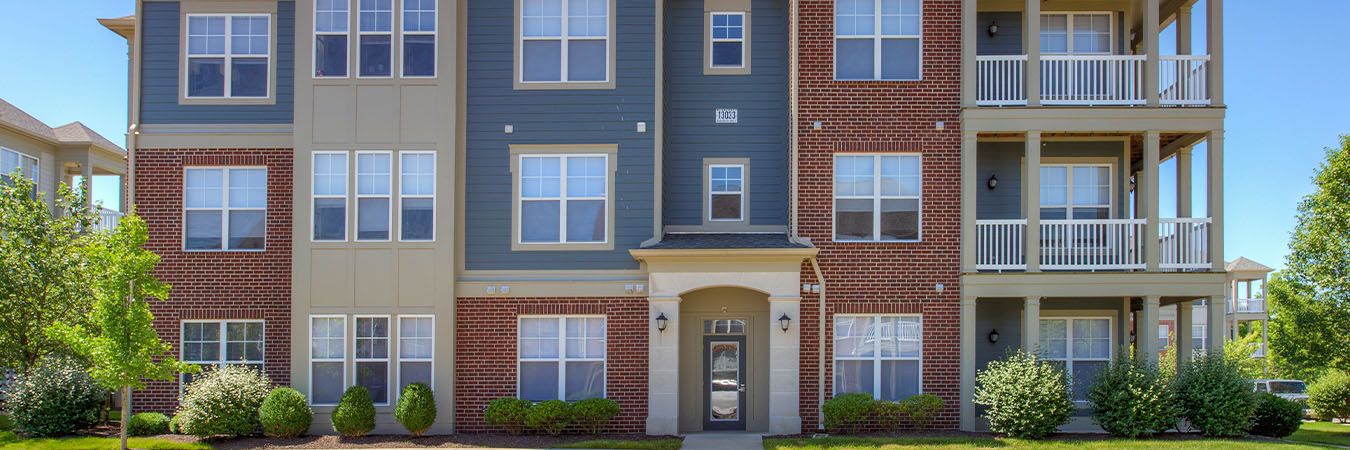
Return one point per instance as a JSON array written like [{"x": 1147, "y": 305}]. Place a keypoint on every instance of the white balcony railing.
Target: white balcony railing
[
  {"x": 1000, "y": 244},
  {"x": 1092, "y": 79},
  {"x": 1183, "y": 79},
  {"x": 1077, "y": 244},
  {"x": 107, "y": 220},
  {"x": 1260, "y": 351},
  {"x": 1183, "y": 243},
  {"x": 1249, "y": 305},
  {"x": 1086, "y": 80},
  {"x": 999, "y": 80},
  {"x": 1099, "y": 244}
]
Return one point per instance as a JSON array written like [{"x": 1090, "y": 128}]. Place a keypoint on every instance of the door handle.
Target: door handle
[{"x": 742, "y": 388}]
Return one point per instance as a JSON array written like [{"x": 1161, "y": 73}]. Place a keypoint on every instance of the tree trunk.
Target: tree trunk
[{"x": 126, "y": 413}]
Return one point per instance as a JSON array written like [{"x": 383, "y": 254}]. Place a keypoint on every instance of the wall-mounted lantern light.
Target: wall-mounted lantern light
[
  {"x": 992, "y": 182},
  {"x": 993, "y": 336},
  {"x": 661, "y": 322},
  {"x": 993, "y": 28},
  {"x": 784, "y": 321}
]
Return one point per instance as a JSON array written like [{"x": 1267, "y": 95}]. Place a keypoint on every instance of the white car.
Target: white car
[{"x": 1293, "y": 390}]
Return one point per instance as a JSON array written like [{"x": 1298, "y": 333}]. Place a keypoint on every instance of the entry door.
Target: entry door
[{"x": 724, "y": 382}]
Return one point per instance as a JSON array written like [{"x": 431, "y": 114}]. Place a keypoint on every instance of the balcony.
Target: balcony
[
  {"x": 1249, "y": 305},
  {"x": 1092, "y": 80},
  {"x": 107, "y": 219},
  {"x": 1091, "y": 245}
]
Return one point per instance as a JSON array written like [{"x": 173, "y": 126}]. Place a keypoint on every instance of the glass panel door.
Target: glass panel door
[{"x": 725, "y": 385}]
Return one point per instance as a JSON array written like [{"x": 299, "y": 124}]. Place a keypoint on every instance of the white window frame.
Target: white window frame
[
  {"x": 435, "y": 40},
  {"x": 876, "y": 38},
  {"x": 563, "y": 38},
  {"x": 431, "y": 361},
  {"x": 389, "y": 226},
  {"x": 390, "y": 395},
  {"x": 876, "y": 197},
  {"x": 1202, "y": 339},
  {"x": 224, "y": 344},
  {"x": 402, "y": 196},
  {"x": 21, "y": 157},
  {"x": 711, "y": 193},
  {"x": 1069, "y": 188},
  {"x": 228, "y": 56},
  {"x": 394, "y": 24},
  {"x": 876, "y": 357},
  {"x": 346, "y": 195},
  {"x": 562, "y": 358},
  {"x": 1068, "y": 24},
  {"x": 347, "y": 32},
  {"x": 224, "y": 209},
  {"x": 562, "y": 198},
  {"x": 346, "y": 331},
  {"x": 713, "y": 40},
  {"x": 1069, "y": 357}
]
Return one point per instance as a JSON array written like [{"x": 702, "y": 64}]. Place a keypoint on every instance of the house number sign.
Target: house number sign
[{"x": 725, "y": 116}]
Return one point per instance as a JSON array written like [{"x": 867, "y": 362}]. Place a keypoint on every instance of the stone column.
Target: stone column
[
  {"x": 663, "y": 370},
  {"x": 1185, "y": 319},
  {"x": 968, "y": 340},
  {"x": 1031, "y": 38},
  {"x": 1031, "y": 201},
  {"x": 1146, "y": 330},
  {"x": 1031, "y": 324},
  {"x": 1149, "y": 187},
  {"x": 1215, "y": 326},
  {"x": 969, "y": 152},
  {"x": 1150, "y": 32},
  {"x": 785, "y": 367}
]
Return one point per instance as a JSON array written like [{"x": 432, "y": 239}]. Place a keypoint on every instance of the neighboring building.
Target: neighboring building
[
  {"x": 1246, "y": 310},
  {"x": 50, "y": 157}
]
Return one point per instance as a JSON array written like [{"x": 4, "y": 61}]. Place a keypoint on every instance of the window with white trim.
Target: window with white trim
[
  {"x": 373, "y": 186},
  {"x": 881, "y": 355},
  {"x": 417, "y": 196},
  {"x": 419, "y": 38},
  {"x": 330, "y": 38},
  {"x": 227, "y": 55},
  {"x": 12, "y": 161},
  {"x": 372, "y": 357},
  {"x": 564, "y": 40},
  {"x": 728, "y": 39},
  {"x": 212, "y": 344},
  {"x": 224, "y": 208},
  {"x": 878, "y": 39},
  {"x": 327, "y": 359},
  {"x": 1164, "y": 337},
  {"x": 330, "y": 196},
  {"x": 877, "y": 197},
  {"x": 564, "y": 198},
  {"x": 1199, "y": 337},
  {"x": 416, "y": 347},
  {"x": 375, "y": 32},
  {"x": 562, "y": 358},
  {"x": 726, "y": 200},
  {"x": 1076, "y": 33},
  {"x": 1076, "y": 191},
  {"x": 1082, "y": 345}
]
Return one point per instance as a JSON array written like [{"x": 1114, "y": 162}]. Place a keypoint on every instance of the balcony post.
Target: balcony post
[
  {"x": 1215, "y": 201},
  {"x": 968, "y": 339},
  {"x": 969, "y": 241},
  {"x": 1185, "y": 321},
  {"x": 1215, "y": 326},
  {"x": 1031, "y": 201},
  {"x": 87, "y": 177},
  {"x": 969, "y": 29},
  {"x": 1032, "y": 38},
  {"x": 1184, "y": 182},
  {"x": 1149, "y": 187},
  {"x": 1146, "y": 330},
  {"x": 1031, "y": 324},
  {"x": 1214, "y": 26},
  {"x": 1150, "y": 33},
  {"x": 1184, "y": 29}
]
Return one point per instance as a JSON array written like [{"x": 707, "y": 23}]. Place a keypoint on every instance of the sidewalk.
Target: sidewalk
[{"x": 723, "y": 441}]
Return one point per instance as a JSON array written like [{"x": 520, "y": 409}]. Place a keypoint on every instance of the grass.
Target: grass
[
  {"x": 961, "y": 443},
  {"x": 8, "y": 441},
  {"x": 654, "y": 444},
  {"x": 1322, "y": 433}
]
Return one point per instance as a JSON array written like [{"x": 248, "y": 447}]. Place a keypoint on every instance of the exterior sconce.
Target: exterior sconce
[
  {"x": 993, "y": 336},
  {"x": 784, "y": 321},
  {"x": 661, "y": 322},
  {"x": 993, "y": 28},
  {"x": 992, "y": 182}
]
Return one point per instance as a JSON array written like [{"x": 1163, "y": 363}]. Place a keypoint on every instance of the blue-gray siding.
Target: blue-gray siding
[
  {"x": 556, "y": 117},
  {"x": 1004, "y": 160},
  {"x": 761, "y": 99},
  {"x": 161, "y": 73},
  {"x": 1008, "y": 40}
]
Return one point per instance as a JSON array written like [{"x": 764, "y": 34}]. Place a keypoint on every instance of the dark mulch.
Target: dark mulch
[
  {"x": 1169, "y": 436},
  {"x": 405, "y": 441}
]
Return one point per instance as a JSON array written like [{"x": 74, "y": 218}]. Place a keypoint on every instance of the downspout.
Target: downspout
[
  {"x": 133, "y": 105},
  {"x": 820, "y": 346}
]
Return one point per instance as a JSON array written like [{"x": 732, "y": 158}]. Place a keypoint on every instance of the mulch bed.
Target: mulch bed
[
  {"x": 405, "y": 441},
  {"x": 1169, "y": 436}
]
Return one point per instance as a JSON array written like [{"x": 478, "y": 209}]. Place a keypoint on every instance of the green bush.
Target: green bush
[
  {"x": 921, "y": 409},
  {"x": 1214, "y": 397},
  {"x": 285, "y": 413},
  {"x": 593, "y": 413},
  {"x": 6, "y": 422},
  {"x": 891, "y": 416},
  {"x": 355, "y": 413},
  {"x": 848, "y": 413},
  {"x": 1329, "y": 396},
  {"x": 1276, "y": 417},
  {"x": 551, "y": 416},
  {"x": 223, "y": 402},
  {"x": 1026, "y": 397},
  {"x": 56, "y": 398},
  {"x": 416, "y": 408},
  {"x": 508, "y": 413},
  {"x": 1130, "y": 398},
  {"x": 176, "y": 424},
  {"x": 147, "y": 424}
]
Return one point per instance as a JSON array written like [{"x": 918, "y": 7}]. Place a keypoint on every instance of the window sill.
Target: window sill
[
  {"x": 562, "y": 247},
  {"x": 905, "y": 241},
  {"x": 562, "y": 85},
  {"x": 225, "y": 250},
  {"x": 876, "y": 80},
  {"x": 227, "y": 101}
]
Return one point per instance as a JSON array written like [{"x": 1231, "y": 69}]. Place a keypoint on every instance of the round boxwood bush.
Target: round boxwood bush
[
  {"x": 1215, "y": 398},
  {"x": 1130, "y": 398},
  {"x": 922, "y": 409},
  {"x": 551, "y": 416},
  {"x": 355, "y": 413},
  {"x": 285, "y": 413},
  {"x": 1026, "y": 397},
  {"x": 416, "y": 408},
  {"x": 1329, "y": 396},
  {"x": 223, "y": 402},
  {"x": 592, "y": 413},
  {"x": 891, "y": 416},
  {"x": 176, "y": 424},
  {"x": 1276, "y": 417},
  {"x": 56, "y": 398},
  {"x": 6, "y": 422},
  {"x": 147, "y": 424},
  {"x": 848, "y": 413},
  {"x": 508, "y": 413}
]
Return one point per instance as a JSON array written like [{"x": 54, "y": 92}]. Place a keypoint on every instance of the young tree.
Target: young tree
[
  {"x": 1240, "y": 353},
  {"x": 41, "y": 282},
  {"x": 121, "y": 342}
]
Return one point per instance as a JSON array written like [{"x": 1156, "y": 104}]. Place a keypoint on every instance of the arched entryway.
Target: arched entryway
[{"x": 724, "y": 360}]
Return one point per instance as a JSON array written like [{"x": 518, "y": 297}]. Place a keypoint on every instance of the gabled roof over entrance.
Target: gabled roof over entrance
[{"x": 708, "y": 241}]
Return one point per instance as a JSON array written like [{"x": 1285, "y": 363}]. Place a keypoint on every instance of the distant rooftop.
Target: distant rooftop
[
  {"x": 72, "y": 133},
  {"x": 1242, "y": 264}
]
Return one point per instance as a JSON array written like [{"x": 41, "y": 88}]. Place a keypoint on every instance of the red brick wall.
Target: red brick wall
[
  {"x": 485, "y": 354},
  {"x": 883, "y": 117},
  {"x": 216, "y": 285}
]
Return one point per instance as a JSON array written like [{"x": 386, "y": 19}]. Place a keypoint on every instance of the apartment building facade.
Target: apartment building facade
[{"x": 717, "y": 213}]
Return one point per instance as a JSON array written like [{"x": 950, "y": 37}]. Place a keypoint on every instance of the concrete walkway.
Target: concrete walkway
[{"x": 723, "y": 441}]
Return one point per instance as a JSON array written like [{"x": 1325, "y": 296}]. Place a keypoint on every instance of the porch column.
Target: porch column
[
  {"x": 1185, "y": 318},
  {"x": 1031, "y": 201},
  {"x": 1031, "y": 324},
  {"x": 1184, "y": 29},
  {"x": 1218, "y": 330},
  {"x": 87, "y": 176},
  {"x": 1150, "y": 33},
  {"x": 1214, "y": 26},
  {"x": 1149, "y": 187},
  {"x": 1146, "y": 330},
  {"x": 1031, "y": 37},
  {"x": 784, "y": 367},
  {"x": 1184, "y": 181},
  {"x": 663, "y": 369},
  {"x": 1215, "y": 201},
  {"x": 969, "y": 152},
  {"x": 968, "y": 36},
  {"x": 968, "y": 337}
]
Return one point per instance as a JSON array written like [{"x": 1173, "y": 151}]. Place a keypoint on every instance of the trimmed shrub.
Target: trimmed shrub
[
  {"x": 56, "y": 398},
  {"x": 1214, "y": 397},
  {"x": 890, "y": 415},
  {"x": 176, "y": 425},
  {"x": 285, "y": 413},
  {"x": 148, "y": 424},
  {"x": 355, "y": 413},
  {"x": 1329, "y": 396},
  {"x": 6, "y": 423},
  {"x": 416, "y": 408},
  {"x": 593, "y": 413},
  {"x": 1130, "y": 398},
  {"x": 1027, "y": 397},
  {"x": 223, "y": 402},
  {"x": 1276, "y": 417},
  {"x": 508, "y": 413},
  {"x": 551, "y": 416},
  {"x": 922, "y": 409},
  {"x": 848, "y": 413}
]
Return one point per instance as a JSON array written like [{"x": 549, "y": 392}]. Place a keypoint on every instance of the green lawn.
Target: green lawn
[
  {"x": 8, "y": 441},
  {"x": 1323, "y": 433},
  {"x": 839, "y": 443},
  {"x": 655, "y": 444}
]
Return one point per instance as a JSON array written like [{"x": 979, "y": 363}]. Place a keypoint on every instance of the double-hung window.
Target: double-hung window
[
  {"x": 416, "y": 344},
  {"x": 375, "y": 29},
  {"x": 564, "y": 198},
  {"x": 373, "y": 185},
  {"x": 419, "y": 38},
  {"x": 1199, "y": 336},
  {"x": 12, "y": 161},
  {"x": 728, "y": 40},
  {"x": 564, "y": 40},
  {"x": 1076, "y": 33},
  {"x": 330, "y": 38},
  {"x": 372, "y": 357},
  {"x": 880, "y": 355},
  {"x": 878, "y": 39},
  {"x": 562, "y": 358},
  {"x": 1076, "y": 191},
  {"x": 227, "y": 55},
  {"x": 225, "y": 208},
  {"x": 1082, "y": 345},
  {"x": 726, "y": 196},
  {"x": 212, "y": 344},
  {"x": 327, "y": 359},
  {"x": 417, "y": 196},
  {"x": 877, "y": 197},
  {"x": 330, "y": 196}
]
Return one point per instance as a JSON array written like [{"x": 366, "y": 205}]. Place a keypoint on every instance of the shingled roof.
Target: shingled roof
[
  {"x": 1242, "y": 264},
  {"x": 72, "y": 133},
  {"x": 693, "y": 241}
]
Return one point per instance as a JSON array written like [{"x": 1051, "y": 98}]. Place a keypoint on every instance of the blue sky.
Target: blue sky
[{"x": 1284, "y": 86}]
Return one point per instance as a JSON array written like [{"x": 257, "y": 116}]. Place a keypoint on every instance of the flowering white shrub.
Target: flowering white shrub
[
  {"x": 223, "y": 402},
  {"x": 1027, "y": 397}
]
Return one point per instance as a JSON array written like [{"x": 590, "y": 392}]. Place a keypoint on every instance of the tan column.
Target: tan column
[
  {"x": 1184, "y": 30},
  {"x": 1215, "y": 326},
  {"x": 1184, "y": 189},
  {"x": 1215, "y": 200},
  {"x": 968, "y": 339},
  {"x": 1265, "y": 332},
  {"x": 1150, "y": 33},
  {"x": 968, "y": 30},
  {"x": 1215, "y": 42},
  {"x": 969, "y": 152},
  {"x": 785, "y": 350},
  {"x": 87, "y": 175},
  {"x": 1149, "y": 187},
  {"x": 663, "y": 369},
  {"x": 1031, "y": 324},
  {"x": 1031, "y": 37},
  {"x": 1031, "y": 201},
  {"x": 1185, "y": 317},
  {"x": 1146, "y": 330}
]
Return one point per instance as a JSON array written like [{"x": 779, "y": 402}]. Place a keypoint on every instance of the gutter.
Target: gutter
[{"x": 820, "y": 346}]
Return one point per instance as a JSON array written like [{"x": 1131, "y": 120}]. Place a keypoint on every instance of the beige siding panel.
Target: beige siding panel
[
  {"x": 334, "y": 115},
  {"x": 418, "y": 117},
  {"x": 376, "y": 117},
  {"x": 417, "y": 277},
  {"x": 375, "y": 286},
  {"x": 330, "y": 280}
]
